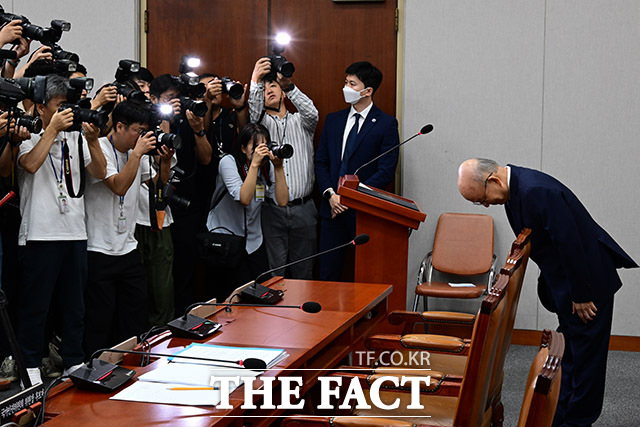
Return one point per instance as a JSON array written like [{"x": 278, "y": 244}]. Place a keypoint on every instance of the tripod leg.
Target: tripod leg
[{"x": 11, "y": 337}]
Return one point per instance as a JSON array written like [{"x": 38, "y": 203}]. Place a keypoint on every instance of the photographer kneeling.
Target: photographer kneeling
[{"x": 245, "y": 179}]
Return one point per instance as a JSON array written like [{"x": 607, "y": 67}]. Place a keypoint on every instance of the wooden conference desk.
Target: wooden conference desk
[{"x": 313, "y": 341}]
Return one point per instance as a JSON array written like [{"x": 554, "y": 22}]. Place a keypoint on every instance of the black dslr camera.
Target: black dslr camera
[
  {"x": 234, "y": 90},
  {"x": 124, "y": 80},
  {"x": 81, "y": 108},
  {"x": 49, "y": 36},
  {"x": 12, "y": 92},
  {"x": 279, "y": 63},
  {"x": 284, "y": 151},
  {"x": 170, "y": 140},
  {"x": 190, "y": 87}
]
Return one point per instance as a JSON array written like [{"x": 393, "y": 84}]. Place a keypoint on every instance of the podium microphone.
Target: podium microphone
[
  {"x": 192, "y": 326},
  {"x": 259, "y": 294},
  {"x": 425, "y": 130},
  {"x": 103, "y": 376}
]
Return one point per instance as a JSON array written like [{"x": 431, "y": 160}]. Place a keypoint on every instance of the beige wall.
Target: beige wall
[{"x": 550, "y": 85}]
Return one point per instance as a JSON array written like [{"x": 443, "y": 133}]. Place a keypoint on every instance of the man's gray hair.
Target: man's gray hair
[
  {"x": 484, "y": 167},
  {"x": 56, "y": 86}
]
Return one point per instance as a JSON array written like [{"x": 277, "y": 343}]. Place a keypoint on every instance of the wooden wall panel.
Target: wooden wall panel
[
  {"x": 327, "y": 37},
  {"x": 227, "y": 35}
]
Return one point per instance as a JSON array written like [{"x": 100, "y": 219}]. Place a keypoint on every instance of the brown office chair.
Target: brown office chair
[
  {"x": 538, "y": 405},
  {"x": 452, "y": 403},
  {"x": 452, "y": 365},
  {"x": 462, "y": 248}
]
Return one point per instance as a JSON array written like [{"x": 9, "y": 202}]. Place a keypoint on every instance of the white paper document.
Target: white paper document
[
  {"x": 462, "y": 285},
  {"x": 193, "y": 375},
  {"x": 270, "y": 356}
]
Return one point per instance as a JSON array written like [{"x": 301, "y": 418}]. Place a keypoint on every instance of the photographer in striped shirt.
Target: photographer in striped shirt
[{"x": 289, "y": 231}]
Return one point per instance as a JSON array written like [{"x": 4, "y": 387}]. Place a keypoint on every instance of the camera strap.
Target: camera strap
[{"x": 67, "y": 168}]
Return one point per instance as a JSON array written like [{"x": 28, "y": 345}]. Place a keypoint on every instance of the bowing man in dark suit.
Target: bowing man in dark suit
[
  {"x": 578, "y": 279},
  {"x": 350, "y": 138}
]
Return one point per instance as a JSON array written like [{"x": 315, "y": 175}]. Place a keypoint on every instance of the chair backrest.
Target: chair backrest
[
  {"x": 463, "y": 244},
  {"x": 514, "y": 267},
  {"x": 475, "y": 384},
  {"x": 543, "y": 384}
]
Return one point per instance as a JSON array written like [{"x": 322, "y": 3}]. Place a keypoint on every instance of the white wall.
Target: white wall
[
  {"x": 102, "y": 32},
  {"x": 545, "y": 84}
]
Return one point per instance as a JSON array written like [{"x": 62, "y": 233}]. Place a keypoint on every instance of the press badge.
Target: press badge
[
  {"x": 122, "y": 223},
  {"x": 63, "y": 204},
  {"x": 260, "y": 189}
]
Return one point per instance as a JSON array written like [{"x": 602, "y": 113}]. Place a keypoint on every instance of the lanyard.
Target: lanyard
[
  {"x": 284, "y": 130},
  {"x": 118, "y": 167},
  {"x": 58, "y": 180}
]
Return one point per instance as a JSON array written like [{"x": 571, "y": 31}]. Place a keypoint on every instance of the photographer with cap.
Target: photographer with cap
[
  {"x": 53, "y": 235},
  {"x": 289, "y": 231}
]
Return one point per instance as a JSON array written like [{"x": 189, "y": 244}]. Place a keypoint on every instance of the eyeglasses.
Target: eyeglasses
[{"x": 484, "y": 199}]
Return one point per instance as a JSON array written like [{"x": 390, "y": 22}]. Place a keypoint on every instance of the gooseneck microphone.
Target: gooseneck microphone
[
  {"x": 191, "y": 326},
  {"x": 104, "y": 376},
  {"x": 307, "y": 307},
  {"x": 425, "y": 130},
  {"x": 259, "y": 294}
]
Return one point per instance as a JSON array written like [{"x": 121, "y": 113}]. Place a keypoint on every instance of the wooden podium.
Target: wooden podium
[{"x": 386, "y": 218}]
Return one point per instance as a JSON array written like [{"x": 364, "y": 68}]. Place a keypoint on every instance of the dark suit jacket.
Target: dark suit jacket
[
  {"x": 378, "y": 133},
  {"x": 577, "y": 258}
]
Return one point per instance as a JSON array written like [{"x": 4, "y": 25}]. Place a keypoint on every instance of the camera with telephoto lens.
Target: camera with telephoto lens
[
  {"x": 82, "y": 112},
  {"x": 284, "y": 151},
  {"x": 231, "y": 88},
  {"x": 49, "y": 36},
  {"x": 11, "y": 92}
]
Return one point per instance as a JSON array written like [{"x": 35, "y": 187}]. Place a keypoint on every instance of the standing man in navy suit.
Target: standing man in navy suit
[
  {"x": 578, "y": 277},
  {"x": 350, "y": 138}
]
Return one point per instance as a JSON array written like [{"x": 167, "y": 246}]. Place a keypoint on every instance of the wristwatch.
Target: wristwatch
[
  {"x": 328, "y": 193},
  {"x": 201, "y": 133}
]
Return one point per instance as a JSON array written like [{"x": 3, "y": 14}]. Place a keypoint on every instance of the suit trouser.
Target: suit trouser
[
  {"x": 584, "y": 367},
  {"x": 335, "y": 232},
  {"x": 289, "y": 234},
  {"x": 115, "y": 299},
  {"x": 156, "y": 248},
  {"x": 54, "y": 275},
  {"x": 185, "y": 258}
]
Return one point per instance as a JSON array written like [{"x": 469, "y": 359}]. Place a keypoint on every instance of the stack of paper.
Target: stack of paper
[{"x": 270, "y": 356}]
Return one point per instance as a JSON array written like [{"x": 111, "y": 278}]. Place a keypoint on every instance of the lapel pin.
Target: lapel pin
[{"x": 373, "y": 120}]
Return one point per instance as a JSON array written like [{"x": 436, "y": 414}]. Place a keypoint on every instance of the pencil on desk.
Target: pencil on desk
[{"x": 192, "y": 388}]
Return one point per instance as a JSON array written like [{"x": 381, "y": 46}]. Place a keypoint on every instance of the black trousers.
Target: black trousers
[
  {"x": 54, "y": 276},
  {"x": 222, "y": 281},
  {"x": 115, "y": 300},
  {"x": 184, "y": 230},
  {"x": 584, "y": 367},
  {"x": 335, "y": 232}
]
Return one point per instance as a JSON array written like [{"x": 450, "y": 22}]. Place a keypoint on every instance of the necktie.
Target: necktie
[{"x": 351, "y": 141}]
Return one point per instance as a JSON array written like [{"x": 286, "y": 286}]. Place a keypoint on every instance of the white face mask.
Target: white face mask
[{"x": 351, "y": 96}]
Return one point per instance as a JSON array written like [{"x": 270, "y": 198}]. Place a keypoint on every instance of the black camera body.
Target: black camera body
[
  {"x": 284, "y": 151},
  {"x": 231, "y": 88},
  {"x": 190, "y": 89},
  {"x": 82, "y": 112},
  {"x": 280, "y": 64},
  {"x": 49, "y": 36},
  {"x": 169, "y": 140}
]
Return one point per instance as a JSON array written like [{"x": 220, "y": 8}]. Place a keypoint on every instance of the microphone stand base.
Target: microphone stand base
[
  {"x": 258, "y": 294},
  {"x": 193, "y": 327},
  {"x": 102, "y": 376}
]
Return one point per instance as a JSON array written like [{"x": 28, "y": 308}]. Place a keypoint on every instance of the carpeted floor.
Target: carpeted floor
[{"x": 622, "y": 396}]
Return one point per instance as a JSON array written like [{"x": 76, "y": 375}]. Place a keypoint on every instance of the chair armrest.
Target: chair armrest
[
  {"x": 425, "y": 342},
  {"x": 440, "y": 318}
]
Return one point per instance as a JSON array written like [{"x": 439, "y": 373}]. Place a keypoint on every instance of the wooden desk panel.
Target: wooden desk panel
[{"x": 317, "y": 341}]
